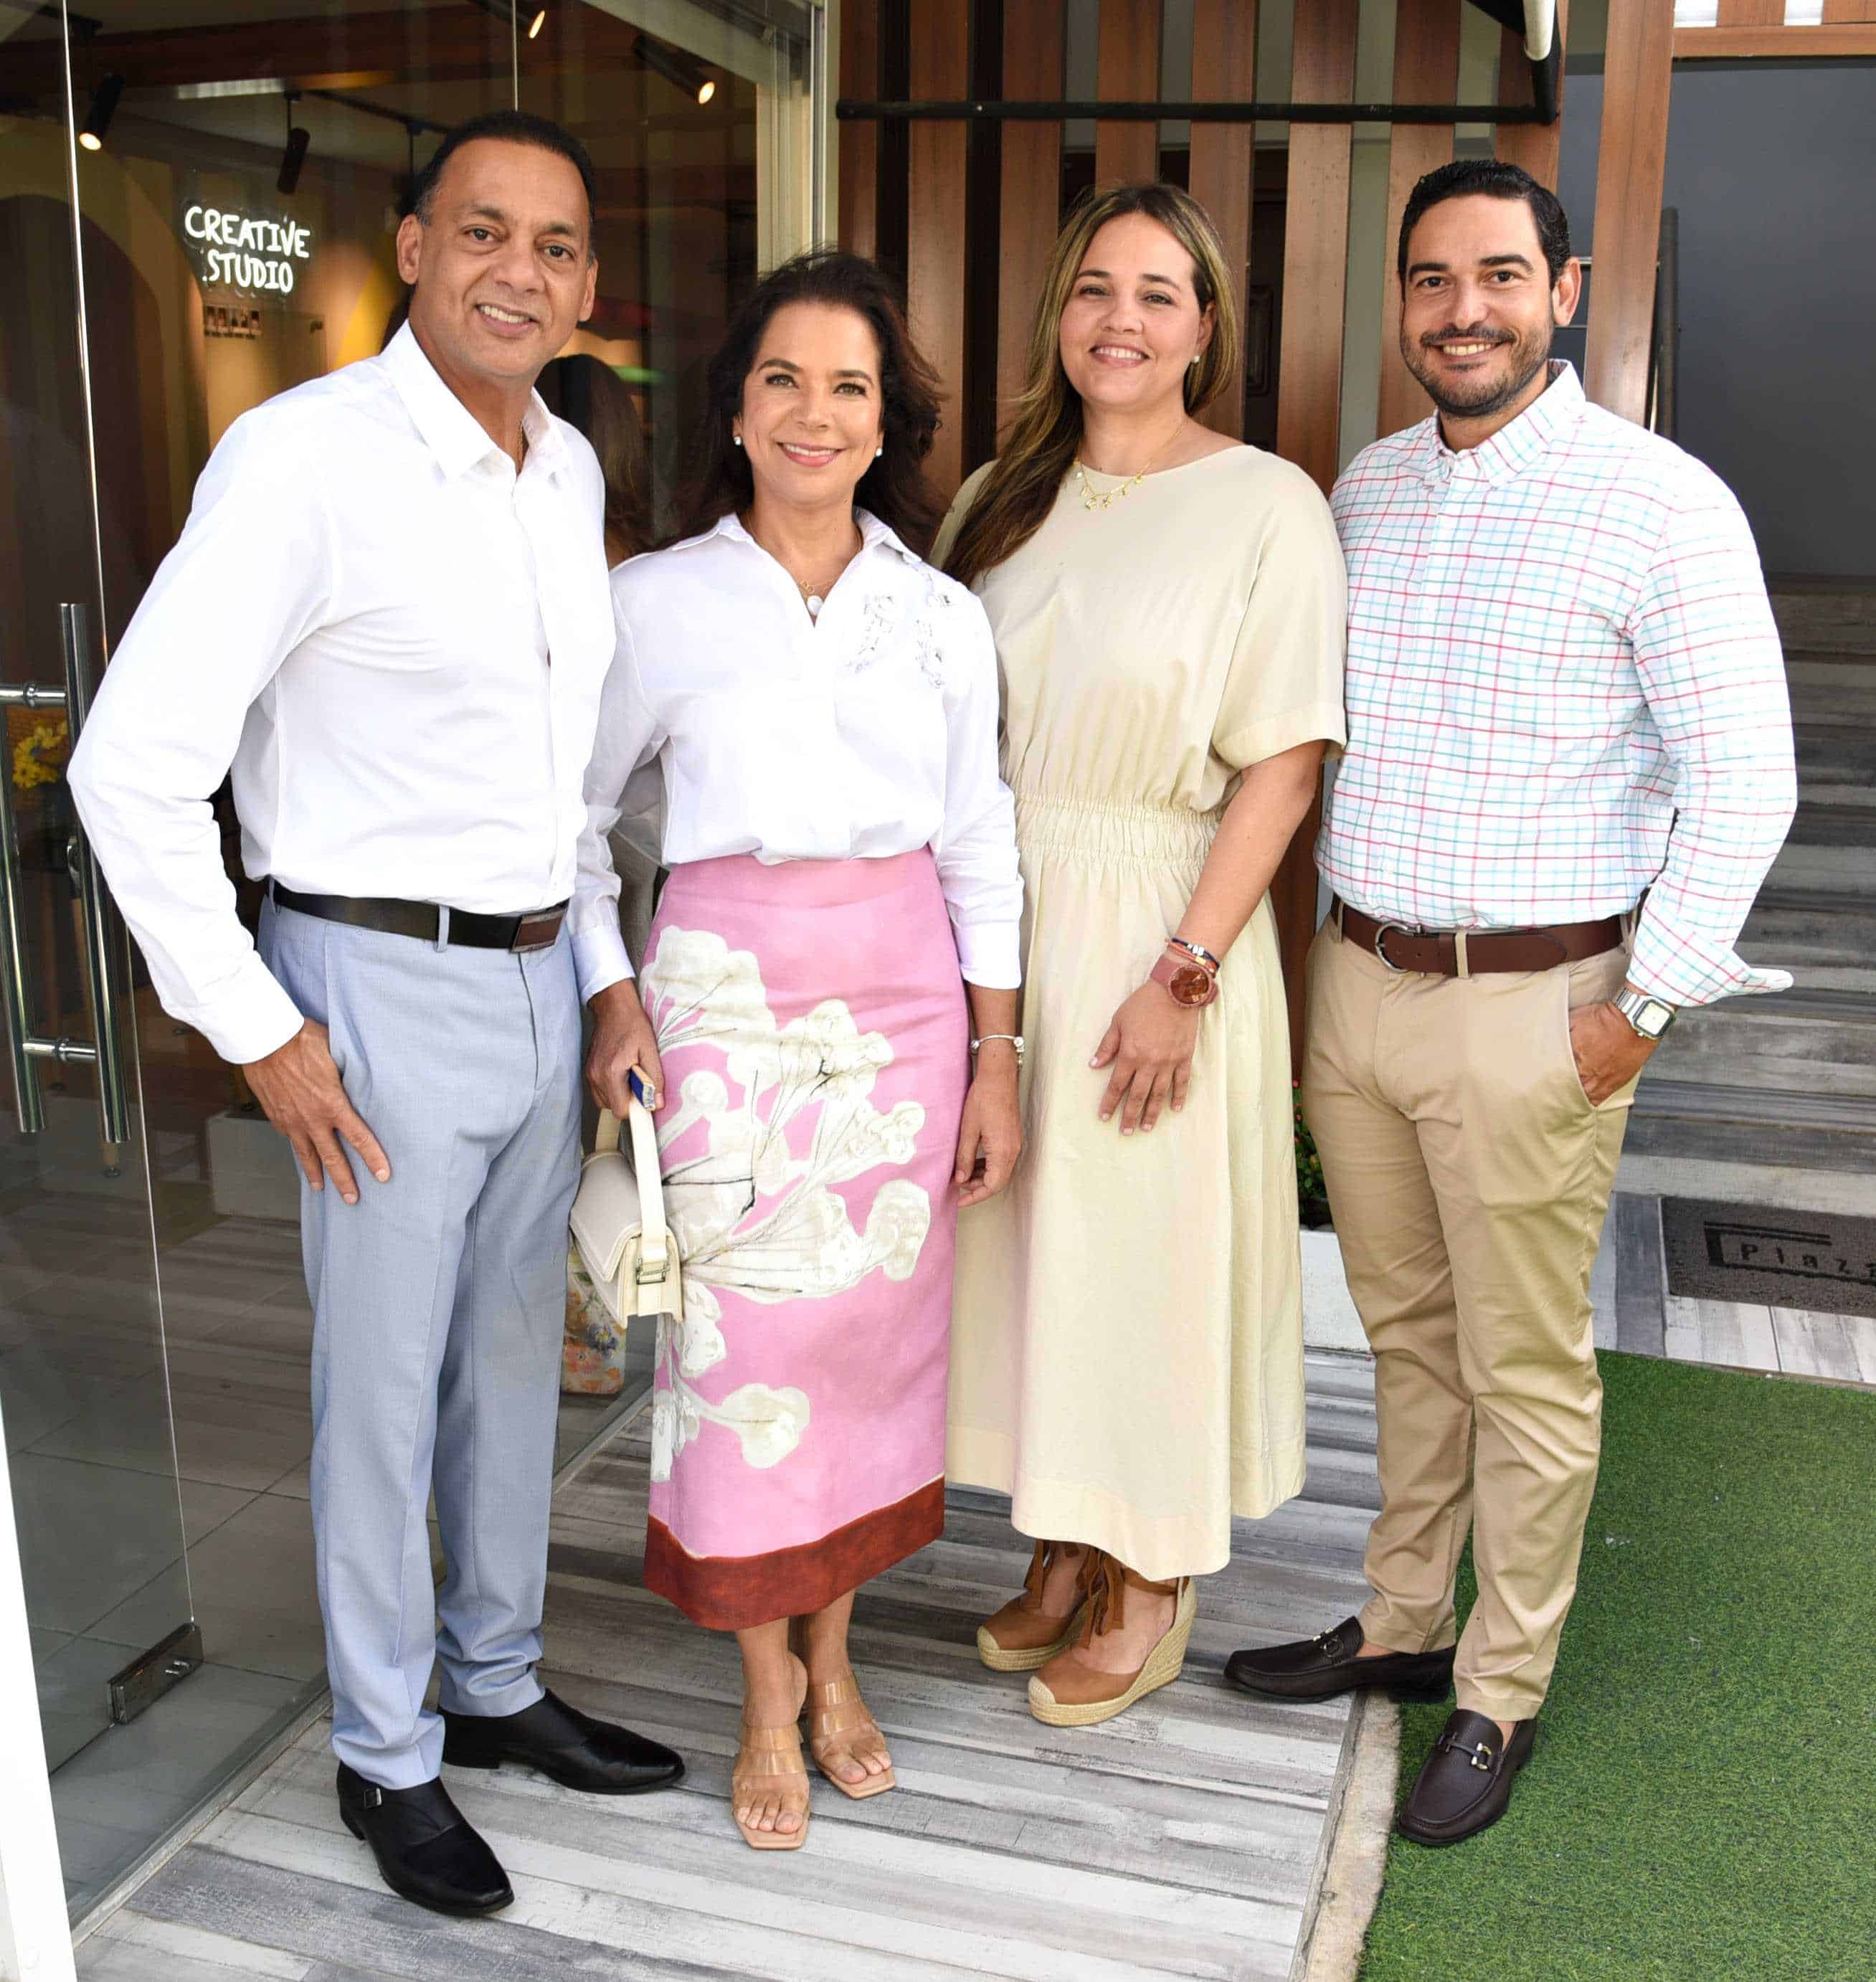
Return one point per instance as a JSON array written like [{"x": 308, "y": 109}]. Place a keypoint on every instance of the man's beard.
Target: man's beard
[{"x": 1479, "y": 398}]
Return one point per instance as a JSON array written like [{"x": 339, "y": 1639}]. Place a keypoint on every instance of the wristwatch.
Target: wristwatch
[
  {"x": 1648, "y": 1017},
  {"x": 1190, "y": 984}
]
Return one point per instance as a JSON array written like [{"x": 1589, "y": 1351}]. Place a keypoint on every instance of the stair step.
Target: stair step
[
  {"x": 1826, "y": 941},
  {"x": 1821, "y": 823},
  {"x": 1780, "y": 1041},
  {"x": 1833, "y": 687},
  {"x": 1791, "y": 1129},
  {"x": 1834, "y": 621}
]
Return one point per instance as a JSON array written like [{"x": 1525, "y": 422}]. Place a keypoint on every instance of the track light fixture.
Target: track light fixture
[
  {"x": 529, "y": 15},
  {"x": 682, "y": 71},
  {"x": 298, "y": 139},
  {"x": 103, "y": 108}
]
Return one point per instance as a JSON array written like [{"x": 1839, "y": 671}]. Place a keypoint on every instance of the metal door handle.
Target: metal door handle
[{"x": 101, "y": 928}]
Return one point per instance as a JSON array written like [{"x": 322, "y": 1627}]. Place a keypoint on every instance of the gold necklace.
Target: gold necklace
[{"x": 1093, "y": 499}]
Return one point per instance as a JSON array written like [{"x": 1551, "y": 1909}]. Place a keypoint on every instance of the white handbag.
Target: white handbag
[{"x": 619, "y": 1223}]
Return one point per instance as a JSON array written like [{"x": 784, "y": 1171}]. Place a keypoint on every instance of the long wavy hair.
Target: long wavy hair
[
  {"x": 893, "y": 487},
  {"x": 1020, "y": 488}
]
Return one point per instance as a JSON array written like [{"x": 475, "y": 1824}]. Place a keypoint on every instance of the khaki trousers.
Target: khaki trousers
[{"x": 1470, "y": 1176}]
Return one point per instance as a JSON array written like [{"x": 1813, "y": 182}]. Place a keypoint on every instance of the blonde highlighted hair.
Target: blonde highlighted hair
[{"x": 1020, "y": 488}]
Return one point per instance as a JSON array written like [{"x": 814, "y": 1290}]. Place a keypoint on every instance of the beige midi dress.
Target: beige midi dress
[{"x": 1126, "y": 1343}]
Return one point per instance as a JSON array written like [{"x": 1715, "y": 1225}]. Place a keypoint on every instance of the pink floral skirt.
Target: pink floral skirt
[{"x": 812, "y": 1023}]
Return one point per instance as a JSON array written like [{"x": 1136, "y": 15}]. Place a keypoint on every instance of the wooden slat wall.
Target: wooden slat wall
[
  {"x": 1129, "y": 72},
  {"x": 1310, "y": 384},
  {"x": 1836, "y": 11},
  {"x": 1425, "y": 71},
  {"x": 1852, "y": 35},
  {"x": 860, "y": 143},
  {"x": 1032, "y": 167},
  {"x": 935, "y": 286},
  {"x": 1632, "y": 161},
  {"x": 1224, "y": 64},
  {"x": 1752, "y": 13},
  {"x": 1536, "y": 147}
]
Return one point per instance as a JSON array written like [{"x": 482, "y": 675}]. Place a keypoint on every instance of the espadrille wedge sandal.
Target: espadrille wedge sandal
[
  {"x": 1023, "y": 1636},
  {"x": 1065, "y": 1692}
]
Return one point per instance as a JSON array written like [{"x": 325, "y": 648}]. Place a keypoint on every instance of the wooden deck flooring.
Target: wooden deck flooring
[{"x": 1183, "y": 1839}]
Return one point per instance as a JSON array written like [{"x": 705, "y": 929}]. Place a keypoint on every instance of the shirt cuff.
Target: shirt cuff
[
  {"x": 252, "y": 1018},
  {"x": 1683, "y": 971},
  {"x": 990, "y": 954},
  {"x": 600, "y": 959}
]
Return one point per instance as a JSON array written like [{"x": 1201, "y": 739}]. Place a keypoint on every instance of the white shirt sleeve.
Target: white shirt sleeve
[
  {"x": 629, "y": 735},
  {"x": 976, "y": 850},
  {"x": 249, "y": 578}
]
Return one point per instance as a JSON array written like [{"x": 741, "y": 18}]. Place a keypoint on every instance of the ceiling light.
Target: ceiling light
[
  {"x": 529, "y": 15},
  {"x": 682, "y": 71},
  {"x": 103, "y": 108},
  {"x": 298, "y": 139}
]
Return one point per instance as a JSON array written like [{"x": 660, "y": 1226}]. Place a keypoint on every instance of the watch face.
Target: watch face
[
  {"x": 1191, "y": 985},
  {"x": 1653, "y": 1018}
]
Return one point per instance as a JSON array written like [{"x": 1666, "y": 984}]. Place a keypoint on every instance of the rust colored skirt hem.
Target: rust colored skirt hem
[{"x": 736, "y": 1592}]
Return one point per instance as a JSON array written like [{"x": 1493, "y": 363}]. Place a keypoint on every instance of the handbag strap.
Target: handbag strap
[{"x": 654, "y": 1235}]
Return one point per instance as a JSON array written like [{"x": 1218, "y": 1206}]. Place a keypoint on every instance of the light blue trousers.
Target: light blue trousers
[{"x": 439, "y": 1299}]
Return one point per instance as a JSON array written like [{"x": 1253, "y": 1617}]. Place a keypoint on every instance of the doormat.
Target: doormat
[{"x": 1821, "y": 1260}]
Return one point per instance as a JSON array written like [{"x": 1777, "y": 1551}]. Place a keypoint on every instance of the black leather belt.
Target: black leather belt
[{"x": 538, "y": 928}]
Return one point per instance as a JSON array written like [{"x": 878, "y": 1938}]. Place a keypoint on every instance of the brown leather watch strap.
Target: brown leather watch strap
[
  {"x": 1190, "y": 984},
  {"x": 1436, "y": 953}
]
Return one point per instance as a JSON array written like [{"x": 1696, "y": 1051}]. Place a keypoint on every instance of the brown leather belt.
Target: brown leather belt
[
  {"x": 539, "y": 929},
  {"x": 1435, "y": 953}
]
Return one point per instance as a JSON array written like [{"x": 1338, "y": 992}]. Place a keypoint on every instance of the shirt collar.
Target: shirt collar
[
  {"x": 1547, "y": 420},
  {"x": 873, "y": 534},
  {"x": 451, "y": 431}
]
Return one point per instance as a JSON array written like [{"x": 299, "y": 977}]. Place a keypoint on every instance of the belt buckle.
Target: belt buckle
[
  {"x": 537, "y": 932},
  {"x": 1381, "y": 935}
]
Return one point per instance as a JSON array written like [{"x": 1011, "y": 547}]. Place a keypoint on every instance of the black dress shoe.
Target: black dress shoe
[
  {"x": 571, "y": 1747},
  {"x": 1319, "y": 1667},
  {"x": 425, "y": 1847},
  {"x": 1465, "y": 1784}
]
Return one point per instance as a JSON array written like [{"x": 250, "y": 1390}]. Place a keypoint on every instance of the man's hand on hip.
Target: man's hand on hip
[
  {"x": 1609, "y": 1052},
  {"x": 299, "y": 1086}
]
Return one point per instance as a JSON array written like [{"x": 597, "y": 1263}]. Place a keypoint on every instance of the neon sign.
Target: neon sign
[{"x": 242, "y": 250}]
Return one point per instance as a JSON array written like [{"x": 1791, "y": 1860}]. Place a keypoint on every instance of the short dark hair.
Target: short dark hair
[
  {"x": 1497, "y": 180},
  {"x": 893, "y": 487},
  {"x": 510, "y": 127}
]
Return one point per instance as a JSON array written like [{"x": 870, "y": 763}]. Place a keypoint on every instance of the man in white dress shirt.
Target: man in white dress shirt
[{"x": 388, "y": 613}]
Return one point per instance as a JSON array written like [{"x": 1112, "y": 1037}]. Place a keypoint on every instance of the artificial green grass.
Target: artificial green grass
[{"x": 1701, "y": 1804}]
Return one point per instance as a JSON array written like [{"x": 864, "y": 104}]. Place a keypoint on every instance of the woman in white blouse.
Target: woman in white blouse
[{"x": 824, "y": 705}]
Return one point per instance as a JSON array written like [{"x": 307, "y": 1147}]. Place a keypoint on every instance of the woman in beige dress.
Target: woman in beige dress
[{"x": 1126, "y": 1344}]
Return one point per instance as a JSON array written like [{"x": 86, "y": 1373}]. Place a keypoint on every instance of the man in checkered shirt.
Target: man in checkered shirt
[{"x": 1569, "y": 768}]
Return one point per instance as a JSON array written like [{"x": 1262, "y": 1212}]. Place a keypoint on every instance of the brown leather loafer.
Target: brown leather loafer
[
  {"x": 1320, "y": 1667},
  {"x": 1464, "y": 1785}
]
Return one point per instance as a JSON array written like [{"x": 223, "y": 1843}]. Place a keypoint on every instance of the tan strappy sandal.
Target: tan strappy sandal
[
  {"x": 836, "y": 1714},
  {"x": 767, "y": 1758},
  {"x": 1022, "y": 1637},
  {"x": 1067, "y": 1694}
]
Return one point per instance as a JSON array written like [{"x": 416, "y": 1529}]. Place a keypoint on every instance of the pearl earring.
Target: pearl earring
[
  {"x": 1192, "y": 361},
  {"x": 877, "y": 452},
  {"x": 737, "y": 439}
]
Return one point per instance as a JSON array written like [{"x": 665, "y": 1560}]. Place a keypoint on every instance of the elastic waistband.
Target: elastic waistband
[
  {"x": 1161, "y": 834},
  {"x": 807, "y": 884}
]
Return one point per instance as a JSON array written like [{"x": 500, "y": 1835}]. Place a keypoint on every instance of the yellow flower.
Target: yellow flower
[{"x": 40, "y": 754}]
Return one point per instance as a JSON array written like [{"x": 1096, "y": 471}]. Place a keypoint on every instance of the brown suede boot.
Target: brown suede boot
[
  {"x": 1023, "y": 1636},
  {"x": 1065, "y": 1692}
]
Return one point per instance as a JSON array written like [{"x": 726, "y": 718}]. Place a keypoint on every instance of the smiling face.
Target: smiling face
[
  {"x": 502, "y": 265},
  {"x": 812, "y": 412},
  {"x": 1478, "y": 310},
  {"x": 1133, "y": 322}
]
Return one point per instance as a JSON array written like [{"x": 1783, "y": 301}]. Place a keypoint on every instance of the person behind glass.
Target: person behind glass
[
  {"x": 823, "y": 704},
  {"x": 389, "y": 612},
  {"x": 591, "y": 397},
  {"x": 1127, "y": 1357}
]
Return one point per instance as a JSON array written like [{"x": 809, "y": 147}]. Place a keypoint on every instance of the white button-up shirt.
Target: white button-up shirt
[
  {"x": 1564, "y": 686},
  {"x": 399, "y": 643},
  {"x": 868, "y": 733}
]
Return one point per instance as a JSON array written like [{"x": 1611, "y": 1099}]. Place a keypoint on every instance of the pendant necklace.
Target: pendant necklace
[{"x": 1097, "y": 498}]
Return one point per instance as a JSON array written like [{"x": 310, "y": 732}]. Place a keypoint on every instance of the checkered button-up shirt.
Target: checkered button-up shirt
[{"x": 1564, "y": 686}]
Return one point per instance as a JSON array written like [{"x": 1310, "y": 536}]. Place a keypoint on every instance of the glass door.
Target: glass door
[{"x": 84, "y": 1383}]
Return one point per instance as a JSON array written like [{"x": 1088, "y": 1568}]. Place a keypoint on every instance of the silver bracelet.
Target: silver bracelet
[{"x": 1015, "y": 1040}]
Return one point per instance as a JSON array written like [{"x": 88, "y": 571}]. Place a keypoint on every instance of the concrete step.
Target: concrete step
[
  {"x": 1815, "y": 1041},
  {"x": 1763, "y": 1129},
  {"x": 1832, "y": 619},
  {"x": 1831, "y": 753},
  {"x": 1843, "y": 819},
  {"x": 1828, "y": 942},
  {"x": 1833, "y": 688}
]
